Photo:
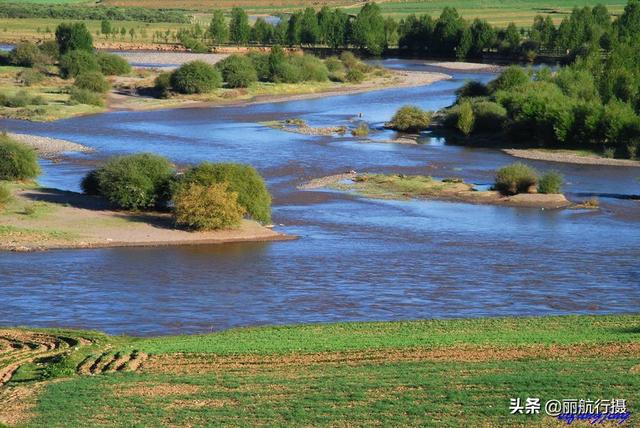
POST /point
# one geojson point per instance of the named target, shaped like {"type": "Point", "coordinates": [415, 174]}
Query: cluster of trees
{"type": "Point", "coordinates": [97, 13]}
{"type": "Point", "coordinates": [240, 71]}
{"type": "Point", "coordinates": [73, 51]}
{"type": "Point", "coordinates": [592, 104]}
{"type": "Point", "coordinates": [520, 178]}
{"type": "Point", "coordinates": [206, 197]}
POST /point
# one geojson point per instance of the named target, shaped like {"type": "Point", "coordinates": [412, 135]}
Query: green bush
{"type": "Point", "coordinates": [85, 96]}
{"type": "Point", "coordinates": [5, 196]}
{"type": "Point", "coordinates": [550, 182]}
{"type": "Point", "coordinates": [362, 130]}
{"type": "Point", "coordinates": [334, 64]}
{"type": "Point", "coordinates": [17, 161]}
{"type": "Point", "coordinates": [349, 59]}
{"type": "Point", "coordinates": [466, 118]}
{"type": "Point", "coordinates": [112, 64]}
{"type": "Point", "coordinates": [26, 54]}
{"type": "Point", "coordinates": [238, 71]}
{"type": "Point", "coordinates": [311, 68]}
{"type": "Point", "coordinates": [92, 81]}
{"type": "Point", "coordinates": [515, 178]}
{"type": "Point", "coordinates": [472, 88]}
{"type": "Point", "coordinates": [489, 116]}
{"type": "Point", "coordinates": [261, 65]}
{"type": "Point", "coordinates": [512, 77]}
{"type": "Point", "coordinates": [243, 179]}
{"type": "Point", "coordinates": [355, 76]}
{"type": "Point", "coordinates": [136, 182]}
{"type": "Point", "coordinates": [210, 207]}
{"type": "Point", "coordinates": [410, 119]}
{"type": "Point", "coordinates": [287, 72]}
{"type": "Point", "coordinates": [30, 77]}
{"type": "Point", "coordinates": [77, 62]}
{"type": "Point", "coordinates": [73, 36]}
{"type": "Point", "coordinates": [50, 50]}
{"type": "Point", "coordinates": [90, 184]}
{"type": "Point", "coordinates": [196, 77]}
{"type": "Point", "coordinates": [162, 84]}
{"type": "Point", "coordinates": [20, 99]}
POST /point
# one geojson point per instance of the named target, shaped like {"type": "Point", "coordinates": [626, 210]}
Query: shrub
{"type": "Point", "coordinates": [261, 65]}
{"type": "Point", "coordinates": [489, 116]}
{"type": "Point", "coordinates": [355, 76]}
{"type": "Point", "coordinates": [85, 96]}
{"type": "Point", "coordinates": [510, 78]}
{"type": "Point", "coordinates": [515, 178]}
{"type": "Point", "coordinates": [466, 118]}
{"type": "Point", "coordinates": [20, 99]}
{"type": "Point", "coordinates": [92, 81]}
{"type": "Point", "coordinates": [77, 62]}
{"type": "Point", "coordinates": [196, 77]}
{"type": "Point", "coordinates": [5, 196]}
{"type": "Point", "coordinates": [17, 161]}
{"type": "Point", "coordinates": [112, 64]}
{"type": "Point", "coordinates": [72, 37]}
{"type": "Point", "coordinates": [26, 55]}
{"type": "Point", "coordinates": [209, 207]}
{"type": "Point", "coordinates": [30, 77]}
{"type": "Point", "coordinates": [349, 59]}
{"type": "Point", "coordinates": [50, 50]}
{"type": "Point", "coordinates": [135, 182]}
{"type": "Point", "coordinates": [90, 184]}
{"type": "Point", "coordinates": [238, 71]}
{"type": "Point", "coordinates": [311, 68]}
{"type": "Point", "coordinates": [162, 84]}
{"type": "Point", "coordinates": [410, 119]}
{"type": "Point", "coordinates": [550, 182]}
{"type": "Point", "coordinates": [287, 73]}
{"type": "Point", "coordinates": [472, 88]}
{"type": "Point", "coordinates": [361, 131]}
{"type": "Point", "coordinates": [243, 179]}
{"type": "Point", "coordinates": [334, 65]}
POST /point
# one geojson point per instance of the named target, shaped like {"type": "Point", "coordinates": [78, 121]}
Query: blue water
{"type": "Point", "coordinates": [356, 259]}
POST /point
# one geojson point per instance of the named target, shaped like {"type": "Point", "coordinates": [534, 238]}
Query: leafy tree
{"type": "Point", "coordinates": [483, 37]}
{"type": "Point", "coordinates": [239, 28]}
{"type": "Point", "coordinates": [447, 32]}
{"type": "Point", "coordinates": [466, 118]}
{"type": "Point", "coordinates": [368, 31]}
{"type": "Point", "coordinates": [105, 27]}
{"type": "Point", "coordinates": [238, 71]}
{"type": "Point", "coordinates": [261, 32]}
{"type": "Point", "coordinates": [294, 29]}
{"type": "Point", "coordinates": [196, 77]}
{"type": "Point", "coordinates": [72, 37]}
{"type": "Point", "coordinates": [465, 43]}
{"type": "Point", "coordinates": [77, 62]}
{"type": "Point", "coordinates": [333, 29]}
{"type": "Point", "coordinates": [218, 31]}
{"type": "Point", "coordinates": [629, 22]}
{"type": "Point", "coordinates": [310, 31]}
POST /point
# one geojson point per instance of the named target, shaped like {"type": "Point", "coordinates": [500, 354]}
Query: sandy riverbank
{"type": "Point", "coordinates": [119, 100]}
{"type": "Point", "coordinates": [391, 186]}
{"type": "Point", "coordinates": [47, 147]}
{"type": "Point", "coordinates": [44, 219]}
{"type": "Point", "coordinates": [466, 66]}
{"type": "Point", "coordinates": [568, 156]}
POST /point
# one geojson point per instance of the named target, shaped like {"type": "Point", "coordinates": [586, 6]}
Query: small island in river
{"type": "Point", "coordinates": [400, 186]}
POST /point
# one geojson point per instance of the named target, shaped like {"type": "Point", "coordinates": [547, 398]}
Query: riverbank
{"type": "Point", "coordinates": [379, 186]}
{"type": "Point", "coordinates": [454, 373]}
{"type": "Point", "coordinates": [569, 156]}
{"type": "Point", "coordinates": [127, 97]}
{"type": "Point", "coordinates": [46, 219]}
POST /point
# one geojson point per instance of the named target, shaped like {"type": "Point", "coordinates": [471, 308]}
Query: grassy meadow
{"type": "Point", "coordinates": [417, 373]}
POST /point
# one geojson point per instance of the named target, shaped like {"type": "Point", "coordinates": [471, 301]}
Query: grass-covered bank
{"type": "Point", "coordinates": [426, 373]}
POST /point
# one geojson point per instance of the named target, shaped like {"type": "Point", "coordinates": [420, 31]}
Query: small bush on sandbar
{"type": "Point", "coordinates": [252, 192]}
{"type": "Point", "coordinates": [361, 131]}
{"type": "Point", "coordinates": [17, 161]}
{"type": "Point", "coordinates": [92, 81]}
{"type": "Point", "coordinates": [410, 119]}
{"type": "Point", "coordinates": [134, 182]}
{"type": "Point", "coordinates": [162, 84]}
{"type": "Point", "coordinates": [551, 182]}
{"type": "Point", "coordinates": [196, 77]}
{"type": "Point", "coordinates": [515, 178]}
{"type": "Point", "coordinates": [210, 207]}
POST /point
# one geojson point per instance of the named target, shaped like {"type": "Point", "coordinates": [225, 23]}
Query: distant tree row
{"type": "Point", "coordinates": [58, 11]}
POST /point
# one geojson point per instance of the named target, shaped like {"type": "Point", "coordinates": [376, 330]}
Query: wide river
{"type": "Point", "coordinates": [356, 259]}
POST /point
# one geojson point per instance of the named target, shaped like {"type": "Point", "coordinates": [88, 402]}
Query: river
{"type": "Point", "coordinates": [356, 259]}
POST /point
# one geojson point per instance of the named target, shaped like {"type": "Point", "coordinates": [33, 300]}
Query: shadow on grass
{"type": "Point", "coordinates": [162, 220]}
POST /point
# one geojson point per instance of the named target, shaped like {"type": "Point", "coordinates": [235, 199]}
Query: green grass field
{"type": "Point", "coordinates": [422, 373]}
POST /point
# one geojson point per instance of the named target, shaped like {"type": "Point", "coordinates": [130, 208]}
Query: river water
{"type": "Point", "coordinates": [356, 259]}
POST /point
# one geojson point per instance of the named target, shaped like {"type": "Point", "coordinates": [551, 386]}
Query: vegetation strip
{"type": "Point", "coordinates": [401, 373]}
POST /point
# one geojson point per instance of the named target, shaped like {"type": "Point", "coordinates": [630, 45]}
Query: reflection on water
{"type": "Point", "coordinates": [356, 259]}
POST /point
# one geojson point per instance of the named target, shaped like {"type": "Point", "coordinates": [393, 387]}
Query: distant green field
{"type": "Point", "coordinates": [49, 1]}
